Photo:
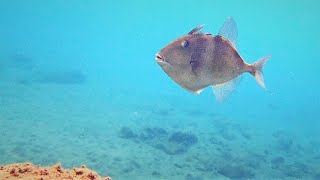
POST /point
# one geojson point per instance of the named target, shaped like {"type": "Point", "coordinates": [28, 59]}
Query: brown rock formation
{"type": "Point", "coordinates": [28, 171]}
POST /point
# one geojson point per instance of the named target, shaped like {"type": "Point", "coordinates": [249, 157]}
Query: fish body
{"type": "Point", "coordinates": [198, 60]}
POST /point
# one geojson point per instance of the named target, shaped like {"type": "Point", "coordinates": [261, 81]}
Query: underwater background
{"type": "Point", "coordinates": [79, 85]}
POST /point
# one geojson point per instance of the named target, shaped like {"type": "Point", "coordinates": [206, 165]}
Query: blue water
{"type": "Point", "coordinates": [79, 85]}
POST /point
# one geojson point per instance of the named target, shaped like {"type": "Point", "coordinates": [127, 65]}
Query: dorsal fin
{"type": "Point", "coordinates": [196, 29]}
{"type": "Point", "coordinates": [229, 30]}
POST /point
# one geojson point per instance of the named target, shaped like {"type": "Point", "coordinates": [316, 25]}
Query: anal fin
{"type": "Point", "coordinates": [224, 90]}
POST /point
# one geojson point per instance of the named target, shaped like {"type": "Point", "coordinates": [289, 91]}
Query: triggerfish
{"type": "Point", "coordinates": [198, 60]}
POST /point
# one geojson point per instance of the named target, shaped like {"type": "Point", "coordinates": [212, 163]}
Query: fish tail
{"type": "Point", "coordinates": [256, 70]}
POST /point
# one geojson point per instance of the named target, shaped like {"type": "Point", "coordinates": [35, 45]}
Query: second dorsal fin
{"type": "Point", "coordinates": [229, 30]}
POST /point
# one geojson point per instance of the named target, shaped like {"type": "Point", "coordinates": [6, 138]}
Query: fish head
{"type": "Point", "coordinates": [181, 60]}
{"type": "Point", "coordinates": [177, 55]}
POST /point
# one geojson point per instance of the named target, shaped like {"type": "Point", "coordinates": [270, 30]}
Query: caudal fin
{"type": "Point", "coordinates": [256, 70]}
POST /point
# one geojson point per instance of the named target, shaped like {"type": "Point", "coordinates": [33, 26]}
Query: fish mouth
{"type": "Point", "coordinates": [160, 59]}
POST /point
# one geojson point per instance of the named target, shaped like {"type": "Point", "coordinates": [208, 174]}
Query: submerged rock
{"type": "Point", "coordinates": [156, 173]}
{"type": "Point", "coordinates": [277, 161]}
{"type": "Point", "coordinates": [284, 141]}
{"type": "Point", "coordinates": [152, 133]}
{"type": "Point", "coordinates": [185, 139]}
{"type": "Point", "coordinates": [159, 138]}
{"type": "Point", "coordinates": [177, 143]}
{"type": "Point", "coordinates": [127, 133]}
{"type": "Point", "coordinates": [30, 171]}
{"type": "Point", "coordinates": [285, 144]}
{"type": "Point", "coordinates": [235, 172]}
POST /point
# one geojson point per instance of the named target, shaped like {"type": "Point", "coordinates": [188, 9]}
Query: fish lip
{"type": "Point", "coordinates": [160, 59]}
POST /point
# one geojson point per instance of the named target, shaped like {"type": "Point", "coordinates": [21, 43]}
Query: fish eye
{"type": "Point", "coordinates": [184, 43]}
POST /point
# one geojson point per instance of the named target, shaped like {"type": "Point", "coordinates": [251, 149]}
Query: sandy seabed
{"type": "Point", "coordinates": [28, 171]}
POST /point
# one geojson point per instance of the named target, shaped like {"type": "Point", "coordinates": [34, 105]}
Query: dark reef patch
{"type": "Point", "coordinates": [177, 143]}
{"type": "Point", "coordinates": [158, 138]}
{"type": "Point", "coordinates": [284, 141]}
{"type": "Point", "coordinates": [127, 133]}
{"type": "Point", "coordinates": [277, 162]}
{"type": "Point", "coordinates": [185, 139]}
{"type": "Point", "coordinates": [285, 144]}
{"type": "Point", "coordinates": [148, 134]}
{"type": "Point", "coordinates": [235, 172]}
{"type": "Point", "coordinates": [156, 173]}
